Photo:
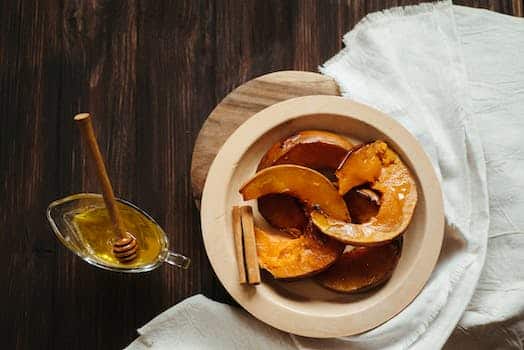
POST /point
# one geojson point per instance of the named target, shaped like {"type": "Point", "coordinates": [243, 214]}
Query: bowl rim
{"type": "Point", "coordinates": [214, 210]}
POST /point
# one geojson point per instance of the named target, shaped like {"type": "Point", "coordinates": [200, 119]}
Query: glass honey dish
{"type": "Point", "coordinates": [81, 222]}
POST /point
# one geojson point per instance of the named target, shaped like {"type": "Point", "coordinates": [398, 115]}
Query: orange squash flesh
{"type": "Point", "coordinates": [307, 185]}
{"type": "Point", "coordinates": [315, 149]}
{"type": "Point", "coordinates": [362, 268]}
{"type": "Point", "coordinates": [362, 165]}
{"type": "Point", "coordinates": [282, 211]}
{"type": "Point", "coordinates": [287, 257]}
{"type": "Point", "coordinates": [394, 182]}
{"type": "Point", "coordinates": [361, 207]}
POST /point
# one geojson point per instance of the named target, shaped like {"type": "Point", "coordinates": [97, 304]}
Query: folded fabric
{"type": "Point", "coordinates": [408, 63]}
{"type": "Point", "coordinates": [493, 49]}
{"type": "Point", "coordinates": [200, 323]}
{"type": "Point", "coordinates": [454, 77]}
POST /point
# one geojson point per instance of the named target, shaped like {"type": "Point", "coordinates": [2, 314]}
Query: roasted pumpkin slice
{"type": "Point", "coordinates": [363, 204]}
{"type": "Point", "coordinates": [282, 211]}
{"type": "Point", "coordinates": [319, 150]}
{"type": "Point", "coordinates": [314, 149]}
{"type": "Point", "coordinates": [397, 203]}
{"type": "Point", "coordinates": [362, 268]}
{"type": "Point", "coordinates": [309, 186]}
{"type": "Point", "coordinates": [362, 164]}
{"type": "Point", "coordinates": [287, 257]}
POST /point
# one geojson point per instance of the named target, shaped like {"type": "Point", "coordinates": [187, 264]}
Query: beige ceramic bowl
{"type": "Point", "coordinates": [303, 307]}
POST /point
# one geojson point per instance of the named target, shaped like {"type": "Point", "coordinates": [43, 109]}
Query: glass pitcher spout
{"type": "Point", "coordinates": [177, 260]}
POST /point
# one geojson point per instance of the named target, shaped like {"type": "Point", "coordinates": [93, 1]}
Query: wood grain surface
{"type": "Point", "coordinates": [518, 8]}
{"type": "Point", "coordinates": [149, 72]}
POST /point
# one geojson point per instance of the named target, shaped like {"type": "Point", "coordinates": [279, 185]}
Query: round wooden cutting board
{"type": "Point", "coordinates": [243, 102]}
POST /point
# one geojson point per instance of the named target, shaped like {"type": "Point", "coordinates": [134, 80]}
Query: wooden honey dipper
{"type": "Point", "coordinates": [125, 246]}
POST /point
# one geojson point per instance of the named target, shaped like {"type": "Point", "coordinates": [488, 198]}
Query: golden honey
{"type": "Point", "coordinates": [95, 231]}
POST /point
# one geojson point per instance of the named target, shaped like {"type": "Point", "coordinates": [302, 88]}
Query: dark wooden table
{"type": "Point", "coordinates": [150, 72]}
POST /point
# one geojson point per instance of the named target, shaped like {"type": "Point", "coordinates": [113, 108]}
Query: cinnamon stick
{"type": "Point", "coordinates": [239, 246]}
{"type": "Point", "coordinates": [250, 246]}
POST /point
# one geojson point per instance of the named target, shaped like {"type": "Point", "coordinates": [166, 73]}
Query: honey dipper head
{"type": "Point", "coordinates": [125, 249]}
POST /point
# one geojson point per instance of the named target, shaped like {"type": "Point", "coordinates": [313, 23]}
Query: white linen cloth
{"type": "Point", "coordinates": [454, 77]}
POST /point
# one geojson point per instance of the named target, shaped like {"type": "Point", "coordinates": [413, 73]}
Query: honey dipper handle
{"type": "Point", "coordinates": [86, 127]}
